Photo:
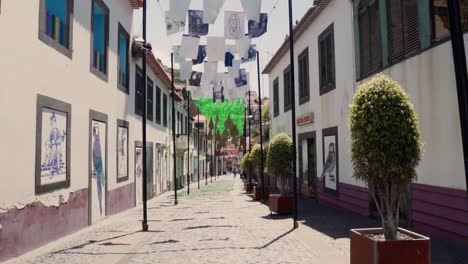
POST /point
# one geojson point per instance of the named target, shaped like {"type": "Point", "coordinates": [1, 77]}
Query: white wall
{"type": "Point", "coordinates": [429, 79]}
{"type": "Point", "coordinates": [29, 67]}
{"type": "Point", "coordinates": [330, 109]}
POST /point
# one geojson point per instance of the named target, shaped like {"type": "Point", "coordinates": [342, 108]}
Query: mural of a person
{"type": "Point", "coordinates": [123, 152]}
{"type": "Point", "coordinates": [54, 155]}
{"type": "Point", "coordinates": [330, 163]}
{"type": "Point", "coordinates": [98, 171]}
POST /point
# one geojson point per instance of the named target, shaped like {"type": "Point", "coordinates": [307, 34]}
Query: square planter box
{"type": "Point", "coordinates": [258, 192]}
{"type": "Point", "coordinates": [280, 205]}
{"type": "Point", "coordinates": [367, 251]}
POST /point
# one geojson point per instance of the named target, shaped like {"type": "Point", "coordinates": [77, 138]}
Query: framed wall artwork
{"type": "Point", "coordinates": [53, 132]}
{"type": "Point", "coordinates": [122, 150]}
{"type": "Point", "coordinates": [97, 183]}
{"type": "Point", "coordinates": [330, 172]}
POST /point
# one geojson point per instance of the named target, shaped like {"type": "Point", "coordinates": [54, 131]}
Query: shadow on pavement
{"type": "Point", "coordinates": [182, 219]}
{"type": "Point", "coordinates": [208, 226]}
{"type": "Point", "coordinates": [170, 241]}
{"type": "Point", "coordinates": [337, 223]}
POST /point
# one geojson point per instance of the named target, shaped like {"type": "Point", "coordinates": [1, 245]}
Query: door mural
{"type": "Point", "coordinates": [195, 169]}
{"type": "Point", "coordinates": [138, 174]}
{"type": "Point", "coordinates": [330, 172]}
{"type": "Point", "coordinates": [98, 166]}
{"type": "Point", "coordinates": [149, 170]}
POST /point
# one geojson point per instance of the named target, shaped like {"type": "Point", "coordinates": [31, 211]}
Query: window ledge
{"type": "Point", "coordinates": [122, 88]}
{"type": "Point", "coordinates": [55, 45]}
{"type": "Point", "coordinates": [327, 88]}
{"type": "Point", "coordinates": [303, 100]}
{"type": "Point", "coordinates": [99, 74]}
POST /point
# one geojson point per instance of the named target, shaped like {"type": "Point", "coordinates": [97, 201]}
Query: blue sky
{"type": "Point", "coordinates": [268, 44]}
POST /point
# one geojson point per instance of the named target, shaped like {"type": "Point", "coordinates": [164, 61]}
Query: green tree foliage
{"type": "Point", "coordinates": [386, 145]}
{"type": "Point", "coordinates": [266, 112]}
{"type": "Point", "coordinates": [280, 161]}
{"type": "Point", "coordinates": [245, 162]}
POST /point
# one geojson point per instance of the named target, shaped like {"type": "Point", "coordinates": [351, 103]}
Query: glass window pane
{"type": "Point", "coordinates": [57, 25]}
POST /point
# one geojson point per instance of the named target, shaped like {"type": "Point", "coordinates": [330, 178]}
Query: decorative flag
{"type": "Point", "coordinates": [196, 26]}
{"type": "Point", "coordinates": [210, 70]}
{"type": "Point", "coordinates": [256, 29]}
{"type": "Point", "coordinates": [201, 55]}
{"type": "Point", "coordinates": [252, 54]}
{"type": "Point", "coordinates": [216, 48]}
{"type": "Point", "coordinates": [185, 70]}
{"type": "Point", "coordinates": [242, 79]}
{"type": "Point", "coordinates": [252, 9]}
{"type": "Point", "coordinates": [243, 46]}
{"type": "Point", "coordinates": [177, 57]}
{"type": "Point", "coordinates": [218, 91]}
{"type": "Point", "coordinates": [189, 47]}
{"type": "Point", "coordinates": [179, 8]}
{"type": "Point", "coordinates": [195, 79]}
{"type": "Point", "coordinates": [234, 25]}
{"type": "Point", "coordinates": [174, 25]}
{"type": "Point", "coordinates": [234, 70]}
{"type": "Point", "coordinates": [228, 58]}
{"type": "Point", "coordinates": [211, 9]}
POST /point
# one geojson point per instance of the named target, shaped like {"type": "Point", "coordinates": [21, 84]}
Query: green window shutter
{"type": "Point", "coordinates": [424, 14]}
{"type": "Point", "coordinates": [383, 31]}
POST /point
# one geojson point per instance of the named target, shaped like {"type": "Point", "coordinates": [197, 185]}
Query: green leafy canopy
{"type": "Point", "coordinates": [385, 137]}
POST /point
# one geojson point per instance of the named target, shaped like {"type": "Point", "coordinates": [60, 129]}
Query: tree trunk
{"type": "Point", "coordinates": [390, 228]}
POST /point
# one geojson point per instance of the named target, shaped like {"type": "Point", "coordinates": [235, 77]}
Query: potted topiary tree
{"type": "Point", "coordinates": [279, 164]}
{"type": "Point", "coordinates": [255, 158]}
{"type": "Point", "coordinates": [386, 148]}
{"type": "Point", "coordinates": [245, 164]}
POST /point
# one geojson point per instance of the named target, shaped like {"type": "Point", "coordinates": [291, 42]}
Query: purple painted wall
{"type": "Point", "coordinates": [121, 199]}
{"type": "Point", "coordinates": [440, 211]}
{"type": "Point", "coordinates": [350, 197]}
{"type": "Point", "coordinates": [36, 224]}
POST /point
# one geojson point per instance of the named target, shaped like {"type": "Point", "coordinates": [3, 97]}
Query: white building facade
{"type": "Point", "coordinates": [70, 107]}
{"type": "Point", "coordinates": [341, 44]}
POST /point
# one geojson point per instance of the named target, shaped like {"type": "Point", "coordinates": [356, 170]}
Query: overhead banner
{"type": "Point", "coordinates": [174, 25]}
{"type": "Point", "coordinates": [189, 47]}
{"type": "Point", "coordinates": [201, 55]}
{"type": "Point", "coordinates": [210, 70]}
{"type": "Point", "coordinates": [215, 49]}
{"type": "Point", "coordinates": [185, 70]}
{"type": "Point", "coordinates": [256, 29]}
{"type": "Point", "coordinates": [252, 9]}
{"type": "Point", "coordinates": [211, 9]}
{"type": "Point", "coordinates": [243, 46]}
{"type": "Point", "coordinates": [234, 70]}
{"type": "Point", "coordinates": [176, 52]}
{"type": "Point", "coordinates": [242, 80]}
{"type": "Point", "coordinates": [196, 25]}
{"type": "Point", "coordinates": [252, 54]}
{"type": "Point", "coordinates": [234, 25]}
{"type": "Point", "coordinates": [195, 79]}
{"type": "Point", "coordinates": [179, 8]}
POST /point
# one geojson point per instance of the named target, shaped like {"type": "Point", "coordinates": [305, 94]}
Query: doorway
{"type": "Point", "coordinates": [308, 165]}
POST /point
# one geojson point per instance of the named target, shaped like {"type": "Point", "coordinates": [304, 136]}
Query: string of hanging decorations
{"type": "Point", "coordinates": [223, 84]}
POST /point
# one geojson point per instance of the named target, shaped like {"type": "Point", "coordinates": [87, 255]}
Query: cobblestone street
{"type": "Point", "coordinates": [216, 224]}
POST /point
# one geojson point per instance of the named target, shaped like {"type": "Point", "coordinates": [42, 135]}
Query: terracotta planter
{"type": "Point", "coordinates": [280, 205]}
{"type": "Point", "coordinates": [258, 192]}
{"type": "Point", "coordinates": [367, 251]}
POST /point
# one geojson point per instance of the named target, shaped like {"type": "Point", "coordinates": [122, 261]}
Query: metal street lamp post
{"type": "Point", "coordinates": [293, 110]}
{"type": "Point", "coordinates": [143, 123]}
{"type": "Point", "coordinates": [188, 143]}
{"type": "Point", "coordinates": [459, 59]}
{"type": "Point", "coordinates": [173, 130]}
{"type": "Point", "coordinates": [262, 176]}
{"type": "Point", "coordinates": [198, 146]}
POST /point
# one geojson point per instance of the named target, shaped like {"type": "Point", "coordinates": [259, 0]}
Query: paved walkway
{"type": "Point", "coordinates": [216, 224]}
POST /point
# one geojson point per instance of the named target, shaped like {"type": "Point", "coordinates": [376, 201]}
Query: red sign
{"type": "Point", "coordinates": [305, 119]}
